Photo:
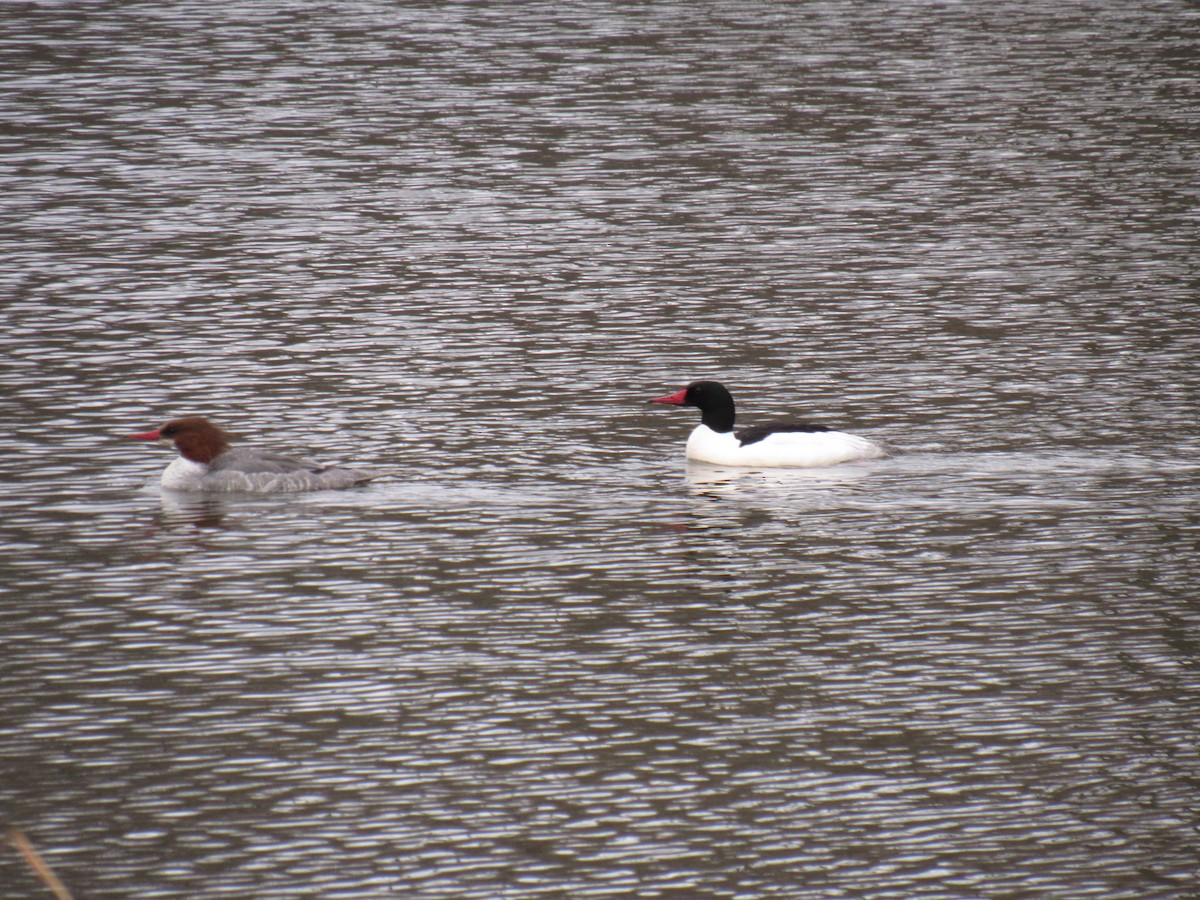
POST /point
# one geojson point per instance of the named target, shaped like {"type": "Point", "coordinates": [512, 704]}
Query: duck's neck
{"type": "Point", "coordinates": [718, 416]}
{"type": "Point", "coordinates": [202, 446]}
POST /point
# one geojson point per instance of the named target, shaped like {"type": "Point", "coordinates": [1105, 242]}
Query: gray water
{"type": "Point", "coordinates": [547, 658]}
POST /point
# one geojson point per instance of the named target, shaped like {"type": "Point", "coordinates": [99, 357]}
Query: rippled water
{"type": "Point", "coordinates": [548, 658]}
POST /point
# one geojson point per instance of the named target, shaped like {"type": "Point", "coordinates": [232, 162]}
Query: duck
{"type": "Point", "coordinates": [771, 444]}
{"type": "Point", "coordinates": [206, 462]}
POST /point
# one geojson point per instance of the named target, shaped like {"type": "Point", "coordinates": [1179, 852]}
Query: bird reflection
{"type": "Point", "coordinates": [190, 509]}
{"type": "Point", "coordinates": [719, 481]}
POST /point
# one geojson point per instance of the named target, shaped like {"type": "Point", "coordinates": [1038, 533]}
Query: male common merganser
{"type": "Point", "coordinates": [791, 443]}
{"type": "Point", "coordinates": [206, 463]}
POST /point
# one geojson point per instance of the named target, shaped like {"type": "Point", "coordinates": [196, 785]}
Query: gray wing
{"type": "Point", "coordinates": [255, 462]}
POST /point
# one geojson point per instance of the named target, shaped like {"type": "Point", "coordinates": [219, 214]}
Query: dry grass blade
{"type": "Point", "coordinates": [37, 864]}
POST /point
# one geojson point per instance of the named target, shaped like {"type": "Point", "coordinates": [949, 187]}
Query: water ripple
{"type": "Point", "coordinates": [548, 657]}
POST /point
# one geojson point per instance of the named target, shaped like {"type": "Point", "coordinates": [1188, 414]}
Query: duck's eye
{"type": "Point", "coordinates": [169, 431]}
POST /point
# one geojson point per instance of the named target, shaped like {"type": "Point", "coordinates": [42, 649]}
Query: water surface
{"type": "Point", "coordinates": [549, 658]}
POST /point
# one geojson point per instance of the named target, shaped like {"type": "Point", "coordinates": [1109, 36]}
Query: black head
{"type": "Point", "coordinates": [711, 398]}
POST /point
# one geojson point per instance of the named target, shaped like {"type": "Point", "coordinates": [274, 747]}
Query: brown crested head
{"type": "Point", "coordinates": [194, 437]}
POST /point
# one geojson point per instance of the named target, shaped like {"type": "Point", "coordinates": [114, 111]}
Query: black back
{"type": "Point", "coordinates": [756, 433]}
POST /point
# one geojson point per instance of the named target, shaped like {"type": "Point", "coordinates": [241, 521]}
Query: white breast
{"type": "Point", "coordinates": [184, 475]}
{"type": "Point", "coordinates": [800, 449]}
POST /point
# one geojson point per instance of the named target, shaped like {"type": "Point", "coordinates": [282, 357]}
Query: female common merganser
{"type": "Point", "coordinates": [206, 463]}
{"type": "Point", "coordinates": [770, 444]}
